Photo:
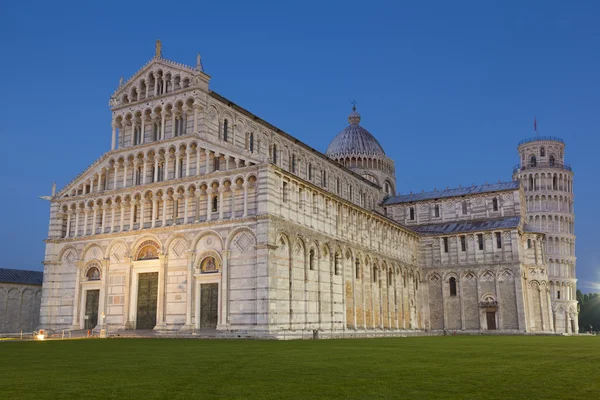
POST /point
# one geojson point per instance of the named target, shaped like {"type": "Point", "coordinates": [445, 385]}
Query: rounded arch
{"type": "Point", "coordinates": [64, 251]}
{"type": "Point", "coordinates": [234, 232]}
{"type": "Point", "coordinates": [140, 240]}
{"type": "Point", "coordinates": [200, 235]}
{"type": "Point", "coordinates": [114, 243]}
{"type": "Point", "coordinates": [88, 251]}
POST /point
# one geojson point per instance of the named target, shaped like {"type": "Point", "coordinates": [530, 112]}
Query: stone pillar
{"type": "Point", "coordinates": [113, 210]}
{"type": "Point", "coordinates": [198, 160]}
{"type": "Point", "coordinates": [132, 205]}
{"type": "Point", "coordinates": [76, 222]}
{"type": "Point", "coordinates": [79, 265]}
{"type": "Point", "coordinates": [165, 198]}
{"type": "Point", "coordinates": [188, 294]}
{"type": "Point", "coordinates": [85, 219]}
{"type": "Point", "coordinates": [549, 302]}
{"type": "Point", "coordinates": [196, 110]}
{"type": "Point", "coordinates": [187, 162]}
{"type": "Point", "coordinates": [155, 167]}
{"type": "Point", "coordinates": [125, 173]}
{"type": "Point", "coordinates": [154, 211]}
{"type": "Point", "coordinates": [224, 314]}
{"type": "Point", "coordinates": [198, 305]}
{"type": "Point", "coordinates": [207, 170]}
{"type": "Point", "coordinates": [122, 219]}
{"type": "Point", "coordinates": [208, 205]}
{"type": "Point", "coordinates": [176, 165]}
{"type": "Point", "coordinates": [144, 171]}
{"type": "Point", "coordinates": [161, 301]}
{"type": "Point", "coordinates": [232, 190]}
{"type": "Point", "coordinates": [113, 143]}
{"type": "Point", "coordinates": [102, 308]}
{"type": "Point", "coordinates": [116, 173]}
{"type": "Point", "coordinates": [103, 227]}
{"type": "Point", "coordinates": [99, 174]}
{"type": "Point", "coordinates": [245, 199]}
{"type": "Point", "coordinates": [220, 205]}
{"type": "Point", "coordinates": [186, 199]}
{"type": "Point", "coordinates": [197, 208]}
{"type": "Point", "coordinates": [142, 212]}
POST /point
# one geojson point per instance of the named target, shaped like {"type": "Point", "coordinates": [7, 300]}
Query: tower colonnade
{"type": "Point", "coordinates": [548, 187]}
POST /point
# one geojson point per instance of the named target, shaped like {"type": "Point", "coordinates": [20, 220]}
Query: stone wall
{"type": "Point", "coordinates": [19, 307]}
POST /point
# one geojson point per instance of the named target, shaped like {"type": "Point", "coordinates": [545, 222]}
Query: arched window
{"type": "Point", "coordinates": [357, 268]}
{"type": "Point", "coordinates": [374, 274]}
{"type": "Point", "coordinates": [284, 189]}
{"type": "Point", "coordinates": [453, 286]}
{"type": "Point", "coordinates": [532, 161]}
{"type": "Point", "coordinates": [336, 261]}
{"type": "Point", "coordinates": [309, 171]}
{"type": "Point", "coordinates": [293, 164]}
{"type": "Point", "coordinates": [495, 204]}
{"type": "Point", "coordinates": [251, 144]}
{"type": "Point", "coordinates": [311, 259]}
{"type": "Point", "coordinates": [216, 163]}
{"type": "Point", "coordinates": [274, 154]}
{"type": "Point", "coordinates": [552, 160]}
{"type": "Point", "coordinates": [93, 274]}
{"type": "Point", "coordinates": [215, 204]}
{"type": "Point", "coordinates": [436, 211]}
{"type": "Point", "coordinates": [324, 178]}
{"type": "Point", "coordinates": [412, 214]}
{"type": "Point", "coordinates": [528, 243]}
{"type": "Point", "coordinates": [155, 131]}
{"type": "Point", "coordinates": [542, 152]}
{"type": "Point", "coordinates": [225, 129]}
{"type": "Point", "coordinates": [554, 185]}
{"type": "Point", "coordinates": [390, 278]}
{"type": "Point", "coordinates": [464, 207]}
{"type": "Point", "coordinates": [530, 182]}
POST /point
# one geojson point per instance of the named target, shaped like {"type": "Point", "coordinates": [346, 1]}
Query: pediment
{"type": "Point", "coordinates": [157, 77]}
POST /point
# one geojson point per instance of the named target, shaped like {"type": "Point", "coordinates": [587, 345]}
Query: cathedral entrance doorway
{"type": "Point", "coordinates": [92, 298]}
{"type": "Point", "coordinates": [147, 300]}
{"type": "Point", "coordinates": [209, 305]}
{"type": "Point", "coordinates": [491, 320]}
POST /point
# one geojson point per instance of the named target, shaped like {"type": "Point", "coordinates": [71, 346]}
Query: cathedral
{"type": "Point", "coordinates": [205, 217]}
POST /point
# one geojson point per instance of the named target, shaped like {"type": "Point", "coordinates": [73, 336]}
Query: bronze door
{"type": "Point", "coordinates": [147, 300]}
{"type": "Point", "coordinates": [491, 320]}
{"type": "Point", "coordinates": [209, 309]}
{"type": "Point", "coordinates": [92, 298]}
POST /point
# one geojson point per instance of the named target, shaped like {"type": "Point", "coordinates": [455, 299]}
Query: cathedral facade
{"type": "Point", "coordinates": [203, 216]}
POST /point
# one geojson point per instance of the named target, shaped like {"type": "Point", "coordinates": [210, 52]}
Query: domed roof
{"type": "Point", "coordinates": [354, 140]}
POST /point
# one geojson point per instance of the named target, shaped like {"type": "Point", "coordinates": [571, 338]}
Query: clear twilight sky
{"type": "Point", "coordinates": [448, 88]}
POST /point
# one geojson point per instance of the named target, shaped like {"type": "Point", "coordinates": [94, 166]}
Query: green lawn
{"type": "Point", "coordinates": [478, 367]}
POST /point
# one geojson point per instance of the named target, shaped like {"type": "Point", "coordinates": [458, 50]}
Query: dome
{"type": "Point", "coordinates": [354, 140]}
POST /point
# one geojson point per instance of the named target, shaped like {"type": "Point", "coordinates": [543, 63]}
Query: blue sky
{"type": "Point", "coordinates": [448, 88]}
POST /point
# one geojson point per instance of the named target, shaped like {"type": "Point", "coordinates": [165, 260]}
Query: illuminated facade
{"type": "Point", "coordinates": [203, 216]}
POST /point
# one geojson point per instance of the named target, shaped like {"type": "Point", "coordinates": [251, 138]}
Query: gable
{"type": "Point", "coordinates": [158, 77]}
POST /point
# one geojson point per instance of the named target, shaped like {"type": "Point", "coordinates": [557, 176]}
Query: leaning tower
{"type": "Point", "coordinates": [548, 184]}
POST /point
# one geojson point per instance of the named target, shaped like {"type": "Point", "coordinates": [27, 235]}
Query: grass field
{"type": "Point", "coordinates": [479, 367]}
